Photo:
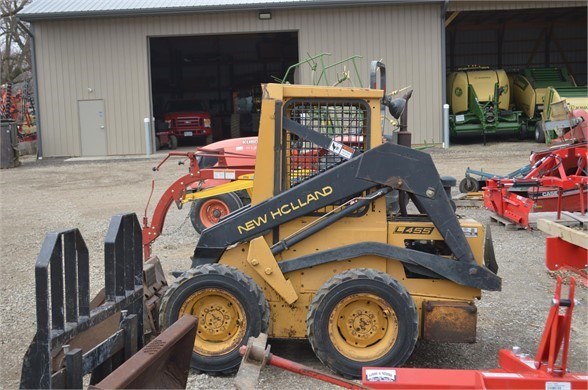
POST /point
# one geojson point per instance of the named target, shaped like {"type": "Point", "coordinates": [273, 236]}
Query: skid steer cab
{"type": "Point", "coordinates": [323, 253]}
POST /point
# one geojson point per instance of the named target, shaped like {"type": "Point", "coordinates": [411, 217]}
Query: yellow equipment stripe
{"type": "Point", "coordinates": [244, 182]}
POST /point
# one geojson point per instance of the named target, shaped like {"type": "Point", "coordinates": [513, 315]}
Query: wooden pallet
{"type": "Point", "coordinates": [567, 218]}
{"type": "Point", "coordinates": [508, 225]}
{"type": "Point", "coordinates": [471, 199]}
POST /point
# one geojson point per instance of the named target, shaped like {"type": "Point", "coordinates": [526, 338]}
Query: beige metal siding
{"type": "Point", "coordinates": [110, 57]}
{"type": "Point", "coordinates": [483, 5]}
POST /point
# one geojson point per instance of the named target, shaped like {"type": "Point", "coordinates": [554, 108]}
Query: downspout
{"type": "Point", "coordinates": [36, 88]}
{"type": "Point", "coordinates": [444, 7]}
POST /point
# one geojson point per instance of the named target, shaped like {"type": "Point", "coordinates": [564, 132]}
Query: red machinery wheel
{"type": "Point", "coordinates": [206, 212]}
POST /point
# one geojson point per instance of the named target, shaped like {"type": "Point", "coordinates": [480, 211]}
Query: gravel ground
{"type": "Point", "coordinates": [52, 194]}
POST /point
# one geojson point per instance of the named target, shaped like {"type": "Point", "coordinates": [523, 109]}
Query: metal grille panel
{"type": "Point", "coordinates": [344, 121]}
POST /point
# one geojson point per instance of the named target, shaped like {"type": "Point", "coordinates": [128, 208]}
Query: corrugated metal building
{"type": "Point", "coordinates": [123, 60]}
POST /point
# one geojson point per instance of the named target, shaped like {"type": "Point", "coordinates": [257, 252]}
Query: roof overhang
{"type": "Point", "coordinates": [43, 10]}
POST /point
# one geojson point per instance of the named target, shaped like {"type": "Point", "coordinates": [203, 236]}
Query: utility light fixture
{"type": "Point", "coordinates": [264, 15]}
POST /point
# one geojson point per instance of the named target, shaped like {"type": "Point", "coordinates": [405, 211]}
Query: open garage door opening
{"type": "Point", "coordinates": [500, 64]}
{"type": "Point", "coordinates": [207, 88]}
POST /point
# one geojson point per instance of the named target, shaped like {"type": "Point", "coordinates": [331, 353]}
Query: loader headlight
{"type": "Point", "coordinates": [396, 106]}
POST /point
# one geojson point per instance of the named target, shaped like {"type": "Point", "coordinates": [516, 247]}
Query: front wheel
{"type": "Point", "coordinates": [208, 139]}
{"type": "Point", "coordinates": [468, 184]}
{"type": "Point", "coordinates": [208, 211]}
{"type": "Point", "coordinates": [230, 308]}
{"type": "Point", "coordinates": [362, 317]}
{"type": "Point", "coordinates": [173, 142]}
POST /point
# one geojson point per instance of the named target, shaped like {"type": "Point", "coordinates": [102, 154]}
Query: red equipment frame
{"type": "Point", "coordinates": [182, 186]}
{"type": "Point", "coordinates": [556, 182]}
{"type": "Point", "coordinates": [517, 370]}
{"type": "Point", "coordinates": [16, 107]}
{"type": "Point", "coordinates": [547, 370]}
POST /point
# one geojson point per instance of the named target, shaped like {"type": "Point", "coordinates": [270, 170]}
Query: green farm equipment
{"type": "Point", "coordinates": [539, 93]}
{"type": "Point", "coordinates": [562, 112]}
{"type": "Point", "coordinates": [479, 99]}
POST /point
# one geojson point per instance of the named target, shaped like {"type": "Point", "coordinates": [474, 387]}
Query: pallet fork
{"type": "Point", "coordinates": [76, 337]}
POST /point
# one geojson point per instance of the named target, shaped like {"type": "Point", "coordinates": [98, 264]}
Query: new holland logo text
{"type": "Point", "coordinates": [414, 229]}
{"type": "Point", "coordinates": [285, 209]}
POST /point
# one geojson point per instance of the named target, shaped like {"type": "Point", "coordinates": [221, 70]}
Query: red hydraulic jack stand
{"type": "Point", "coordinates": [517, 370]}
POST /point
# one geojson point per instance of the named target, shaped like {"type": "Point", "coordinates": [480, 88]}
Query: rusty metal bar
{"type": "Point", "coordinates": [301, 369]}
{"type": "Point", "coordinates": [164, 363]}
{"type": "Point", "coordinates": [256, 356]}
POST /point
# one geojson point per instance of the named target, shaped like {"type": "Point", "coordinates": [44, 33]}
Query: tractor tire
{"type": "Point", "coordinates": [230, 308]}
{"type": "Point", "coordinates": [207, 212]}
{"type": "Point", "coordinates": [173, 142]}
{"type": "Point", "coordinates": [362, 317]}
{"type": "Point", "coordinates": [208, 140]}
{"type": "Point", "coordinates": [523, 130]}
{"type": "Point", "coordinates": [539, 133]}
{"type": "Point", "coordinates": [468, 184]}
{"type": "Point", "coordinates": [157, 143]}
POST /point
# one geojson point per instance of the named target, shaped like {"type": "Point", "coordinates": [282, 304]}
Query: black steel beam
{"type": "Point", "coordinates": [459, 272]}
{"type": "Point", "coordinates": [389, 165]}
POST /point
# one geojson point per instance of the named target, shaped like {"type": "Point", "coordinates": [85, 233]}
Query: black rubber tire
{"type": "Point", "coordinates": [353, 282]}
{"type": "Point", "coordinates": [523, 130]}
{"type": "Point", "coordinates": [229, 280]}
{"type": "Point", "coordinates": [157, 143]}
{"type": "Point", "coordinates": [209, 139]}
{"type": "Point", "coordinates": [173, 142]}
{"type": "Point", "coordinates": [231, 200]}
{"type": "Point", "coordinates": [539, 133]}
{"type": "Point", "coordinates": [468, 184]}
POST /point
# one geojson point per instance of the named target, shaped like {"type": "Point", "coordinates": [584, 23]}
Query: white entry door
{"type": "Point", "coordinates": [92, 127]}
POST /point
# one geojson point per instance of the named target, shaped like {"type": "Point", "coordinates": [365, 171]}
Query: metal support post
{"type": "Point", "coordinates": [446, 126]}
{"type": "Point", "coordinates": [148, 143]}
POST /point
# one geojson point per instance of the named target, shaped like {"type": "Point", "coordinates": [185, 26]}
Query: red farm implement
{"type": "Point", "coordinates": [216, 172]}
{"type": "Point", "coordinates": [557, 181]}
{"type": "Point", "coordinates": [547, 370]}
{"type": "Point", "coordinates": [220, 181]}
{"type": "Point", "coordinates": [19, 107]}
{"type": "Point", "coordinates": [517, 370]}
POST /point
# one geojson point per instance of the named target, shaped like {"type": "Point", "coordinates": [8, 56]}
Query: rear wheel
{"type": "Point", "coordinates": [230, 308]}
{"type": "Point", "coordinates": [207, 212]}
{"type": "Point", "coordinates": [539, 133]}
{"type": "Point", "coordinates": [362, 317]}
